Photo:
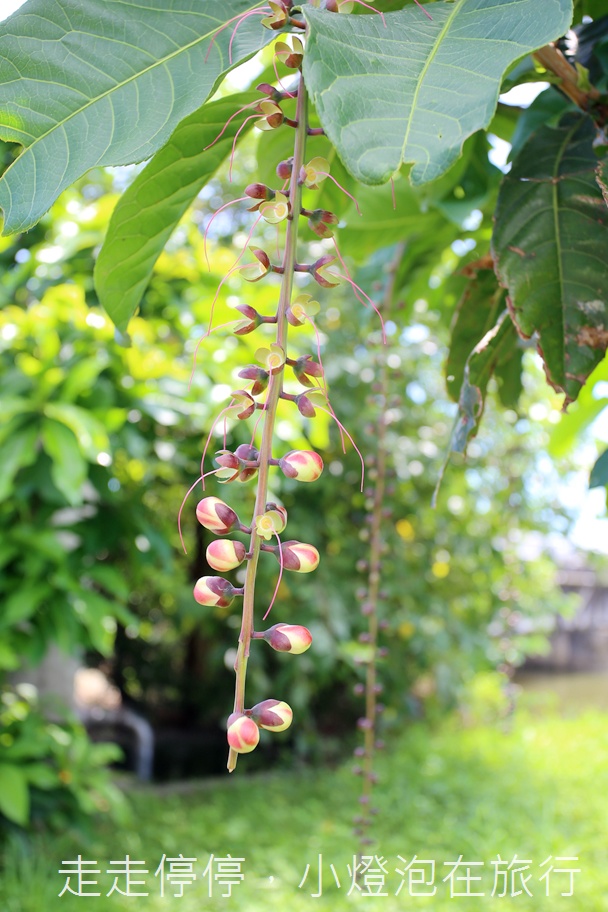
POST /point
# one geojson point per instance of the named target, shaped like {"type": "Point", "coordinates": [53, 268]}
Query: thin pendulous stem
{"type": "Point", "coordinates": [275, 388]}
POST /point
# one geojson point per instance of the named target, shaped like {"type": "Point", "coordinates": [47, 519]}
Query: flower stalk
{"type": "Point", "coordinates": [275, 388]}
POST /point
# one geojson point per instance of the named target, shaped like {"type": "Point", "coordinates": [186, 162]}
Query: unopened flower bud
{"type": "Point", "coordinates": [288, 638]}
{"type": "Point", "coordinates": [364, 723]}
{"type": "Point", "coordinates": [359, 690]}
{"type": "Point", "coordinates": [285, 168]}
{"type": "Point", "coordinates": [303, 465]}
{"type": "Point", "coordinates": [258, 375]}
{"type": "Point", "coordinates": [298, 556]}
{"type": "Point", "coordinates": [359, 751]}
{"type": "Point", "coordinates": [243, 733]}
{"type": "Point", "coordinates": [216, 516]}
{"type": "Point", "coordinates": [259, 192]}
{"type": "Point", "coordinates": [214, 590]}
{"type": "Point", "coordinates": [225, 555]}
{"type": "Point", "coordinates": [273, 715]}
{"type": "Point", "coordinates": [319, 222]}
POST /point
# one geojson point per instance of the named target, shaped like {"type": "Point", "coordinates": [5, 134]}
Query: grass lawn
{"type": "Point", "coordinates": [538, 790]}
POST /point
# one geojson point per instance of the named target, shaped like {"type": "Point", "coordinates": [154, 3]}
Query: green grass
{"type": "Point", "coordinates": [540, 789]}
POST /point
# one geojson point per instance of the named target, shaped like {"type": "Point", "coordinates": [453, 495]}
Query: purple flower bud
{"type": "Point", "coordinates": [214, 591]}
{"type": "Point", "coordinates": [303, 465]}
{"type": "Point", "coordinates": [215, 515]}
{"type": "Point", "coordinates": [259, 192]}
{"type": "Point", "coordinates": [364, 723]}
{"type": "Point", "coordinates": [288, 638]}
{"type": "Point", "coordinates": [252, 320]}
{"type": "Point", "coordinates": [285, 168]}
{"type": "Point", "coordinates": [273, 715]}
{"type": "Point", "coordinates": [359, 752]}
{"type": "Point", "coordinates": [258, 375]}
{"type": "Point", "coordinates": [359, 689]}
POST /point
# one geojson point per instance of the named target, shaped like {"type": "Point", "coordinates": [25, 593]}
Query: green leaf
{"type": "Point", "coordinates": [14, 794]}
{"type": "Point", "coordinates": [69, 468]}
{"type": "Point", "coordinates": [550, 242]}
{"type": "Point", "coordinates": [22, 604]}
{"type": "Point", "coordinates": [379, 219]}
{"type": "Point", "coordinates": [90, 433]}
{"type": "Point", "coordinates": [18, 451]}
{"type": "Point", "coordinates": [476, 313]}
{"type": "Point", "coordinates": [85, 83]}
{"type": "Point", "coordinates": [414, 91]}
{"type": "Point", "coordinates": [599, 472]}
{"type": "Point", "coordinates": [150, 209]}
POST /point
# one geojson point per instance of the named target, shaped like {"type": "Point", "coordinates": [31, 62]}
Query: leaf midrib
{"type": "Point", "coordinates": [420, 80]}
{"type": "Point", "coordinates": [162, 62]}
{"type": "Point", "coordinates": [558, 240]}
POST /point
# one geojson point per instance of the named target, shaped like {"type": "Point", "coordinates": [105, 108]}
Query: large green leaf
{"type": "Point", "coordinates": [414, 91]}
{"type": "Point", "coordinates": [14, 794]}
{"type": "Point", "coordinates": [150, 209]}
{"type": "Point", "coordinates": [551, 244]}
{"type": "Point", "coordinates": [69, 468]}
{"type": "Point", "coordinates": [17, 451]}
{"type": "Point", "coordinates": [105, 82]}
{"type": "Point", "coordinates": [599, 472]}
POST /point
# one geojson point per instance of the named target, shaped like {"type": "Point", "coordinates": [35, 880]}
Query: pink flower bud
{"type": "Point", "coordinates": [288, 638]}
{"type": "Point", "coordinates": [303, 465]}
{"type": "Point", "coordinates": [215, 515]}
{"type": "Point", "coordinates": [258, 375]}
{"type": "Point", "coordinates": [299, 557]}
{"type": "Point", "coordinates": [243, 734]}
{"type": "Point", "coordinates": [273, 715]}
{"type": "Point", "coordinates": [305, 406]}
{"type": "Point", "coordinates": [225, 555]}
{"type": "Point", "coordinates": [259, 192]}
{"type": "Point", "coordinates": [215, 591]}
{"type": "Point", "coordinates": [285, 168]}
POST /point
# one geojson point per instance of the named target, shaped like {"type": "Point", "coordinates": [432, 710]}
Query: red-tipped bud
{"type": "Point", "coordinates": [288, 638]}
{"type": "Point", "coordinates": [234, 466]}
{"type": "Point", "coordinates": [259, 192]}
{"type": "Point", "coordinates": [247, 452]}
{"type": "Point", "coordinates": [273, 715]}
{"type": "Point", "coordinates": [299, 556]}
{"type": "Point", "coordinates": [214, 591]}
{"type": "Point", "coordinates": [217, 516]}
{"type": "Point", "coordinates": [252, 320]}
{"type": "Point", "coordinates": [243, 734]}
{"type": "Point", "coordinates": [258, 375]}
{"type": "Point", "coordinates": [225, 555]}
{"type": "Point", "coordinates": [304, 367]}
{"type": "Point", "coordinates": [319, 222]}
{"type": "Point", "coordinates": [303, 465]}
{"type": "Point", "coordinates": [305, 406]}
{"type": "Point", "coordinates": [284, 169]}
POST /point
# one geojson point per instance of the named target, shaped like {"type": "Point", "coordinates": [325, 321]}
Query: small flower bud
{"type": "Point", "coordinates": [319, 222]}
{"type": "Point", "coordinates": [303, 465]}
{"type": "Point", "coordinates": [216, 516]}
{"type": "Point", "coordinates": [225, 555]}
{"type": "Point", "coordinates": [359, 690]}
{"type": "Point", "coordinates": [273, 715]}
{"type": "Point", "coordinates": [259, 192]}
{"type": "Point", "coordinates": [304, 367]}
{"type": "Point", "coordinates": [243, 734]}
{"type": "Point", "coordinates": [359, 751]}
{"type": "Point", "coordinates": [285, 168]}
{"type": "Point", "coordinates": [364, 723]}
{"type": "Point", "coordinates": [298, 556]}
{"type": "Point", "coordinates": [258, 375]}
{"type": "Point", "coordinates": [247, 452]}
{"type": "Point", "coordinates": [214, 590]}
{"type": "Point", "coordinates": [288, 638]}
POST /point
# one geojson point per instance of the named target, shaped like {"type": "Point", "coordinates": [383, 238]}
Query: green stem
{"type": "Point", "coordinates": [275, 388]}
